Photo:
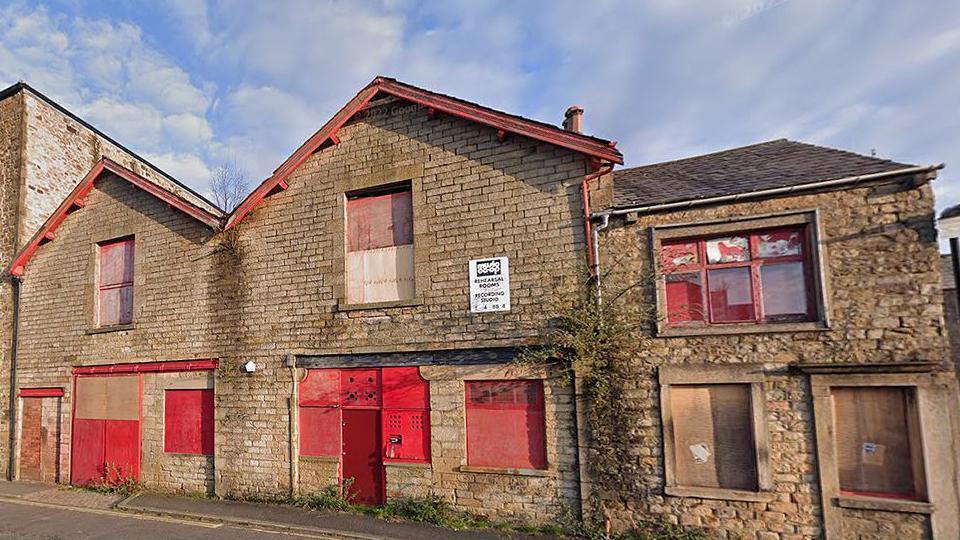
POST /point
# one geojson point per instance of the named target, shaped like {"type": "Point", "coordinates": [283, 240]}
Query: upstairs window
{"type": "Point", "coordinates": [380, 246]}
{"type": "Point", "coordinates": [115, 282]}
{"type": "Point", "coordinates": [751, 277]}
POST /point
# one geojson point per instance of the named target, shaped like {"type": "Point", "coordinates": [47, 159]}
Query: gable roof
{"type": "Point", "coordinates": [77, 199]}
{"type": "Point", "coordinates": [594, 147]}
{"type": "Point", "coordinates": [185, 191]}
{"type": "Point", "coordinates": [768, 165]}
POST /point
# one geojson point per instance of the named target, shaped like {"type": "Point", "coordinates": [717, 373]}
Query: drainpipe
{"type": "Point", "coordinates": [585, 194]}
{"type": "Point", "coordinates": [292, 427]}
{"type": "Point", "coordinates": [604, 223]}
{"type": "Point", "coordinates": [12, 412]}
{"type": "Point", "coordinates": [579, 420]}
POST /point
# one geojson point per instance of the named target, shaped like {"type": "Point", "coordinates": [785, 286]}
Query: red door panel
{"type": "Point", "coordinates": [86, 464]}
{"type": "Point", "coordinates": [122, 449]}
{"type": "Point", "coordinates": [30, 439]}
{"type": "Point", "coordinates": [361, 455]}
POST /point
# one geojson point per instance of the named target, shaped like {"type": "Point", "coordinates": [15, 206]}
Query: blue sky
{"type": "Point", "coordinates": [193, 83]}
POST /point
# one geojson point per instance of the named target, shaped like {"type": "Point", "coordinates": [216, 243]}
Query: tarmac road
{"type": "Point", "coordinates": [39, 521]}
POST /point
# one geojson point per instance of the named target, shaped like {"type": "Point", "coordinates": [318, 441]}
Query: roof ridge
{"type": "Point", "coordinates": [698, 156]}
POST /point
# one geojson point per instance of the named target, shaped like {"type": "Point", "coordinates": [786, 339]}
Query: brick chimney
{"type": "Point", "coordinates": [573, 119]}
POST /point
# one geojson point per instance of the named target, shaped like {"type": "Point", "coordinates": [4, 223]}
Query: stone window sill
{"type": "Point", "coordinates": [343, 306]}
{"type": "Point", "coordinates": [720, 494]}
{"type": "Point", "coordinates": [321, 459]}
{"type": "Point", "coordinates": [113, 328]}
{"type": "Point", "coordinates": [187, 455]}
{"type": "Point", "coordinates": [729, 329]}
{"type": "Point", "coordinates": [510, 472]}
{"type": "Point", "coordinates": [407, 464]}
{"type": "Point", "coordinates": [861, 502]}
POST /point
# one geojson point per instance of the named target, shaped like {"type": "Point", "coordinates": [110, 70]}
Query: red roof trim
{"type": "Point", "coordinates": [148, 367]}
{"type": "Point", "coordinates": [41, 392]}
{"type": "Point", "coordinates": [77, 200]}
{"type": "Point", "coordinates": [435, 103]}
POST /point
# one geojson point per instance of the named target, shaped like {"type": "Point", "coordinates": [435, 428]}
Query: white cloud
{"type": "Point", "coordinates": [187, 168]}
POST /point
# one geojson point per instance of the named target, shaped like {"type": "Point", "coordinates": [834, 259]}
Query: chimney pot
{"type": "Point", "coordinates": [573, 119]}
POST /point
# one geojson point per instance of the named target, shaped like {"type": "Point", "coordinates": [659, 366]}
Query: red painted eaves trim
{"type": "Point", "coordinates": [41, 392]}
{"type": "Point", "coordinates": [77, 200]}
{"type": "Point", "coordinates": [148, 367]}
{"type": "Point", "coordinates": [435, 103]}
{"type": "Point", "coordinates": [505, 122]}
{"type": "Point", "coordinates": [309, 147]}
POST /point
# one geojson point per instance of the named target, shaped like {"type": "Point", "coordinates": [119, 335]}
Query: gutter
{"type": "Point", "coordinates": [846, 181]}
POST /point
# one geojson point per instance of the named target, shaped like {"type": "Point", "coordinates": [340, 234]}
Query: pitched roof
{"type": "Point", "coordinates": [767, 165]}
{"type": "Point", "coordinates": [77, 200]}
{"type": "Point", "coordinates": [507, 123]}
{"type": "Point", "coordinates": [164, 179]}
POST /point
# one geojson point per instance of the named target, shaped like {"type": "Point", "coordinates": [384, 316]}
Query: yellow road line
{"type": "Point", "coordinates": [112, 513]}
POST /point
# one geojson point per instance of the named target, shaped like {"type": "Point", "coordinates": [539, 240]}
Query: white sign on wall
{"type": "Point", "coordinates": [489, 285]}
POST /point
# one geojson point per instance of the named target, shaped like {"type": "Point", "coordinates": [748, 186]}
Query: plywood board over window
{"type": "Point", "coordinates": [380, 256]}
{"type": "Point", "coordinates": [714, 432]}
{"type": "Point", "coordinates": [713, 436]}
{"type": "Point", "coordinates": [115, 282]}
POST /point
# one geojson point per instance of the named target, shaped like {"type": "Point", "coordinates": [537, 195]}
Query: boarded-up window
{"type": "Point", "coordinates": [877, 437]}
{"type": "Point", "coordinates": [188, 421]}
{"type": "Point", "coordinates": [115, 283]}
{"type": "Point", "coordinates": [320, 413]}
{"type": "Point", "coordinates": [380, 246]}
{"type": "Point", "coordinates": [713, 436]}
{"type": "Point", "coordinates": [505, 424]}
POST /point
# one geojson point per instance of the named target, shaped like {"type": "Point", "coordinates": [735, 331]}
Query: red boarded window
{"type": "Point", "coordinates": [506, 425]}
{"type": "Point", "coordinates": [760, 276]}
{"type": "Point", "coordinates": [380, 246]}
{"type": "Point", "coordinates": [320, 413]}
{"type": "Point", "coordinates": [188, 422]}
{"type": "Point", "coordinates": [115, 284]}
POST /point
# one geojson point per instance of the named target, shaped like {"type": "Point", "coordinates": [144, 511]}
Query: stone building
{"type": "Point", "coordinates": [44, 151]}
{"type": "Point", "coordinates": [796, 381]}
{"type": "Point", "coordinates": [357, 317]}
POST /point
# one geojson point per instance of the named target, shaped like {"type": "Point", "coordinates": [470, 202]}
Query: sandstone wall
{"type": "Point", "coordinates": [175, 299]}
{"type": "Point", "coordinates": [11, 160]}
{"type": "Point", "coordinates": [883, 296]}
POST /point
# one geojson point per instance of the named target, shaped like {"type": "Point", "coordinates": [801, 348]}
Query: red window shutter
{"type": "Point", "coordinates": [404, 388]}
{"type": "Point", "coordinates": [320, 388]}
{"type": "Point", "coordinates": [320, 431]}
{"type": "Point", "coordinates": [115, 282]}
{"type": "Point", "coordinates": [188, 422]}
{"type": "Point", "coordinates": [506, 424]}
{"type": "Point", "coordinates": [378, 221]}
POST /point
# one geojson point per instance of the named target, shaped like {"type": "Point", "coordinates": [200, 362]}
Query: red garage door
{"type": "Point", "coordinates": [106, 429]}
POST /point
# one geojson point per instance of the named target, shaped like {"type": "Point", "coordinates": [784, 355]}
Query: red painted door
{"type": "Point", "coordinates": [105, 444]}
{"type": "Point", "coordinates": [361, 455]}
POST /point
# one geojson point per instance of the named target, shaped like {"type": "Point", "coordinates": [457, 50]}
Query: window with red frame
{"type": "Point", "coordinates": [505, 424]}
{"type": "Point", "coordinates": [759, 277]}
{"type": "Point", "coordinates": [115, 282]}
{"type": "Point", "coordinates": [188, 422]}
